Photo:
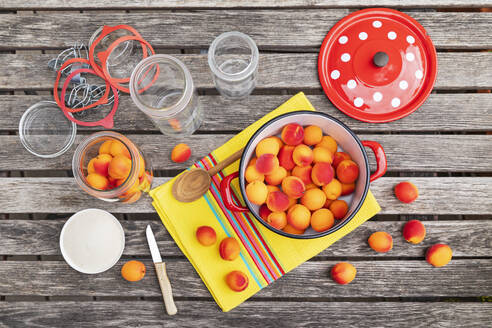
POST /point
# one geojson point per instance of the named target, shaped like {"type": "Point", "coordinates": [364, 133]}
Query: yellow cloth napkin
{"type": "Point", "coordinates": [265, 255]}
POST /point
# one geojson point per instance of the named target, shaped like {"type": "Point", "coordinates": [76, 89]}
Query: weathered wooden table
{"type": "Point", "coordinates": [444, 148]}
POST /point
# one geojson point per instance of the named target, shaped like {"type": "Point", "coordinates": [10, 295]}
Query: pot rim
{"type": "Point", "coordinates": [336, 227]}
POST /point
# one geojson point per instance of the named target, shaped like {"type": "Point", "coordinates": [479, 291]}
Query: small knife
{"type": "Point", "coordinates": [160, 268]}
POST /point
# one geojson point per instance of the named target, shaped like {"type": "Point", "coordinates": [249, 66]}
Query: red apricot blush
{"type": "Point", "coordinates": [277, 201]}
{"type": "Point", "coordinates": [206, 235]}
{"type": "Point", "coordinates": [347, 171]}
{"type": "Point", "coordinates": [292, 134]}
{"type": "Point", "coordinates": [237, 280]}
{"type": "Point", "coordinates": [266, 163]}
{"type": "Point", "coordinates": [285, 157]}
{"type": "Point", "coordinates": [322, 173]}
{"type": "Point", "coordinates": [339, 208]}
{"type": "Point", "coordinates": [406, 192]}
{"type": "Point", "coordinates": [343, 273]}
{"type": "Point", "coordinates": [414, 231]}
{"type": "Point", "coordinates": [180, 153]}
{"type": "Point", "coordinates": [293, 187]}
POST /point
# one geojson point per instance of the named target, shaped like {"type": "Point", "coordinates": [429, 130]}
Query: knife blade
{"type": "Point", "coordinates": [160, 267]}
{"type": "Point", "coordinates": [154, 251]}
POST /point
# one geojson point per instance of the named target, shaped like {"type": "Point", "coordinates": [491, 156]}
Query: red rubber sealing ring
{"type": "Point", "coordinates": [107, 122]}
{"type": "Point", "coordinates": [103, 57]}
{"type": "Point", "coordinates": [105, 31]}
{"type": "Point", "coordinates": [61, 104]}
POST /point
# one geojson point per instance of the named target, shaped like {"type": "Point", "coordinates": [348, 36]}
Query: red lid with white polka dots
{"type": "Point", "coordinates": [377, 65]}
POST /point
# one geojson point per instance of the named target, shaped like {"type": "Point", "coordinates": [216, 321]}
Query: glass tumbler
{"type": "Point", "coordinates": [233, 59]}
{"type": "Point", "coordinates": [161, 86]}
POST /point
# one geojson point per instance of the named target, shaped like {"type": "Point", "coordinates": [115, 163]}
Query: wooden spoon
{"type": "Point", "coordinates": [194, 183]}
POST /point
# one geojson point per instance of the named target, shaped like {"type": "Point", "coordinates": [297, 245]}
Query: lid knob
{"type": "Point", "coordinates": [380, 59]}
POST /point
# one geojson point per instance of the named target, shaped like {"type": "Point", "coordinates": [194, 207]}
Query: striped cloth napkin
{"type": "Point", "coordinates": [265, 256]}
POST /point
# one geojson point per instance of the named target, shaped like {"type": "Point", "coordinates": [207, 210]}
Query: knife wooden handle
{"type": "Point", "coordinates": [167, 292]}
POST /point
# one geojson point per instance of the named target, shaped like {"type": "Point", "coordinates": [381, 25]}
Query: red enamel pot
{"type": "Point", "coordinates": [347, 141]}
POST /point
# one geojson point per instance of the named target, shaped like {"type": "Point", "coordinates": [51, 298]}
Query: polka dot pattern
{"type": "Point", "coordinates": [343, 39]}
{"type": "Point", "coordinates": [377, 96]}
{"type": "Point", "coordinates": [410, 39]}
{"type": "Point", "coordinates": [358, 102]}
{"type": "Point", "coordinates": [345, 57]}
{"type": "Point", "coordinates": [351, 84]}
{"type": "Point", "coordinates": [377, 24]}
{"type": "Point", "coordinates": [363, 35]}
{"type": "Point", "coordinates": [410, 56]}
{"type": "Point", "coordinates": [335, 74]}
{"type": "Point", "coordinates": [395, 102]}
{"type": "Point", "coordinates": [403, 84]}
{"type": "Point", "coordinates": [392, 35]}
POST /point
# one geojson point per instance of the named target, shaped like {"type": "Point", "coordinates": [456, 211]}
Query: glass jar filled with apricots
{"type": "Point", "coordinates": [109, 166]}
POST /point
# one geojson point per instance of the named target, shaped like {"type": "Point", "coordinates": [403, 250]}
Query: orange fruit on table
{"type": "Point", "coordinates": [180, 153]}
{"type": "Point", "coordinates": [343, 273]}
{"type": "Point", "coordinates": [133, 270]}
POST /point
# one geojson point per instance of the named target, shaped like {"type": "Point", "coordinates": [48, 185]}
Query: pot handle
{"type": "Point", "coordinates": [380, 155]}
{"type": "Point", "coordinates": [226, 193]}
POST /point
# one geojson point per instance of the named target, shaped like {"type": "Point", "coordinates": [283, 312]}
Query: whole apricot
{"type": "Point", "coordinates": [339, 208]}
{"type": "Point", "coordinates": [313, 199]}
{"type": "Point", "coordinates": [180, 153]}
{"type": "Point", "coordinates": [322, 173]}
{"type": "Point", "coordinates": [293, 187]}
{"type": "Point", "coordinates": [285, 157]}
{"type": "Point", "coordinates": [267, 146]}
{"type": "Point", "coordinates": [343, 273]}
{"type": "Point", "coordinates": [380, 241]}
{"type": "Point", "coordinates": [333, 190]}
{"type": "Point", "coordinates": [133, 270]}
{"type": "Point", "coordinates": [237, 280]}
{"type": "Point", "coordinates": [322, 154]}
{"type": "Point", "coordinates": [414, 231]}
{"type": "Point", "coordinates": [312, 135]}
{"type": "Point", "coordinates": [406, 192]}
{"type": "Point", "coordinates": [264, 212]}
{"type": "Point", "coordinates": [119, 167]}
{"type": "Point", "coordinates": [257, 192]}
{"type": "Point", "coordinates": [105, 147]}
{"type": "Point", "coordinates": [439, 255]}
{"type": "Point", "coordinates": [206, 235]}
{"type": "Point", "coordinates": [322, 220]}
{"type": "Point", "coordinates": [329, 143]}
{"type": "Point", "coordinates": [118, 148]}
{"type": "Point", "coordinates": [303, 173]}
{"type": "Point", "coordinates": [303, 155]}
{"type": "Point", "coordinates": [290, 229]}
{"type": "Point", "coordinates": [292, 134]}
{"type": "Point", "coordinates": [229, 249]}
{"type": "Point", "coordinates": [347, 171]}
{"type": "Point", "coordinates": [97, 181]}
{"type": "Point", "coordinates": [251, 174]}
{"type": "Point", "coordinates": [276, 177]}
{"type": "Point", "coordinates": [277, 201]}
{"type": "Point", "coordinates": [278, 220]}
{"type": "Point", "coordinates": [266, 163]}
{"type": "Point", "coordinates": [299, 217]}
{"type": "Point", "coordinates": [101, 164]}
{"type": "Point", "coordinates": [339, 157]}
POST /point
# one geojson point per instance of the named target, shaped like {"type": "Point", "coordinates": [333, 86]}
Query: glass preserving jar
{"type": "Point", "coordinates": [162, 87]}
{"type": "Point", "coordinates": [109, 166]}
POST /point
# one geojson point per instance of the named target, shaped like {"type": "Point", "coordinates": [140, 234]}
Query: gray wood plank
{"type": "Point", "coordinates": [249, 314]}
{"type": "Point", "coordinates": [276, 71]}
{"type": "Point", "coordinates": [185, 29]}
{"type": "Point", "coordinates": [441, 112]}
{"type": "Point", "coordinates": [180, 4]}
{"type": "Point", "coordinates": [437, 195]}
{"type": "Point", "coordinates": [467, 238]}
{"type": "Point", "coordinates": [310, 280]}
{"type": "Point", "coordinates": [423, 153]}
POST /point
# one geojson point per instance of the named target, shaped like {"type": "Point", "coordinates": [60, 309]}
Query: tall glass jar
{"type": "Point", "coordinates": [109, 166]}
{"type": "Point", "coordinates": [161, 86]}
{"type": "Point", "coordinates": [233, 59]}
